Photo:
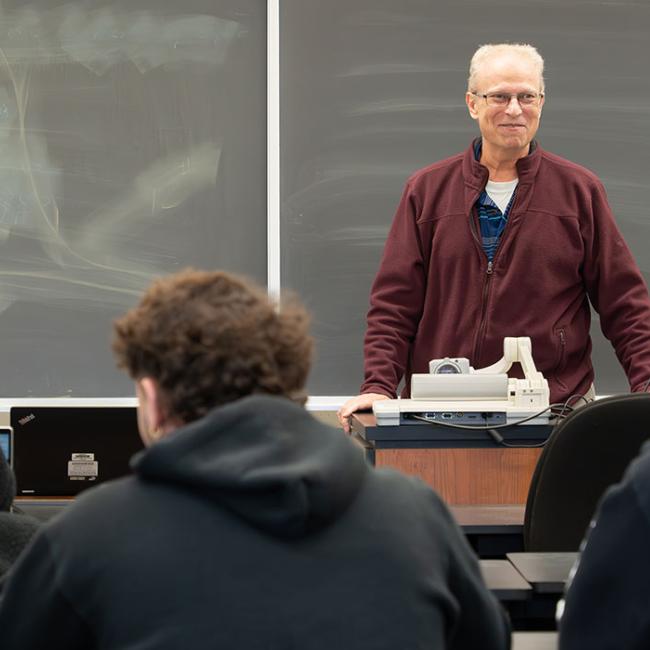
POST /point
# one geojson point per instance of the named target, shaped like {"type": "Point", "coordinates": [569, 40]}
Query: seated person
{"type": "Point", "coordinates": [247, 523]}
{"type": "Point", "coordinates": [606, 603]}
{"type": "Point", "coordinates": [15, 529]}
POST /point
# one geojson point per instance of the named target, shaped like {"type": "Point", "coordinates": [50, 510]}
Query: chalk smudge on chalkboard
{"type": "Point", "coordinates": [109, 36]}
{"type": "Point", "coordinates": [398, 68]}
{"type": "Point", "coordinates": [88, 260]}
{"type": "Point", "coordinates": [404, 105]}
{"type": "Point", "coordinates": [164, 185]}
{"type": "Point", "coordinates": [30, 182]}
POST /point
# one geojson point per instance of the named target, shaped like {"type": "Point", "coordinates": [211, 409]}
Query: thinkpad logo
{"type": "Point", "coordinates": [26, 419]}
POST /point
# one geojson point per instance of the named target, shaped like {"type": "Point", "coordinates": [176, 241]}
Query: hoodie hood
{"type": "Point", "coordinates": [265, 459]}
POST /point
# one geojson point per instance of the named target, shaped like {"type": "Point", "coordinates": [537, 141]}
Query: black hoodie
{"type": "Point", "coordinates": [607, 604]}
{"type": "Point", "coordinates": [255, 527]}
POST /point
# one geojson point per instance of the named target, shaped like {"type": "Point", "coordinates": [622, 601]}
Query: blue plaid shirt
{"type": "Point", "coordinates": [491, 220]}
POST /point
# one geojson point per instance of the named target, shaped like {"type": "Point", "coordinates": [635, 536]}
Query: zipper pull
{"type": "Point", "coordinates": [489, 268]}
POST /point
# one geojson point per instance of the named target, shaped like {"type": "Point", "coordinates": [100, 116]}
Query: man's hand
{"type": "Point", "coordinates": [358, 403]}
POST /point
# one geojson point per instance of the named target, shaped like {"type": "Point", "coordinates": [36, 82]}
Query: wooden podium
{"type": "Point", "coordinates": [464, 467]}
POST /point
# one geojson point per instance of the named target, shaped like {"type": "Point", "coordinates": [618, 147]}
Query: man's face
{"type": "Point", "coordinates": [507, 129]}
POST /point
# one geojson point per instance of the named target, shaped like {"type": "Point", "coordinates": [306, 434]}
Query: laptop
{"type": "Point", "coordinates": [59, 451]}
{"type": "Point", "coordinates": [5, 443]}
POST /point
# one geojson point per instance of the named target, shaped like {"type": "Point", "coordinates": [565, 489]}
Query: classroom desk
{"type": "Point", "coordinates": [493, 530]}
{"type": "Point", "coordinates": [464, 467]}
{"type": "Point", "coordinates": [530, 606]}
{"type": "Point", "coordinates": [42, 508]}
{"type": "Point", "coordinates": [490, 519]}
{"type": "Point", "coordinates": [534, 641]}
{"type": "Point", "coordinates": [504, 581]}
{"type": "Point", "coordinates": [546, 572]}
{"type": "Point", "coordinates": [496, 520]}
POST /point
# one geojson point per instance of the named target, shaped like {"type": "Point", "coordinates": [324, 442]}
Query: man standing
{"type": "Point", "coordinates": [505, 239]}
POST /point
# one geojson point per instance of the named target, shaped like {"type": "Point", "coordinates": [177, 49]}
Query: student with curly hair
{"type": "Point", "coordinates": [247, 523]}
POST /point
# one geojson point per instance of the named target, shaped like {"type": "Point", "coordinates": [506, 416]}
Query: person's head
{"type": "Point", "coordinates": [505, 95]}
{"type": "Point", "coordinates": [199, 339]}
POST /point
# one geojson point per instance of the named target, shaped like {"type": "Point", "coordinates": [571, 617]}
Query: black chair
{"type": "Point", "coordinates": [585, 454]}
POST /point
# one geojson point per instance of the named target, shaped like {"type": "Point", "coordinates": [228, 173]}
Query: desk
{"type": "Point", "coordinates": [530, 597]}
{"type": "Point", "coordinates": [42, 508]}
{"type": "Point", "coordinates": [492, 531]}
{"type": "Point", "coordinates": [464, 467]}
{"type": "Point", "coordinates": [534, 641]}
{"type": "Point", "coordinates": [504, 581]}
{"type": "Point", "coordinates": [546, 572]}
{"type": "Point", "coordinates": [490, 519]}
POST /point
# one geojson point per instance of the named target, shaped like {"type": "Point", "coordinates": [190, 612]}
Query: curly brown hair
{"type": "Point", "coordinates": [209, 338]}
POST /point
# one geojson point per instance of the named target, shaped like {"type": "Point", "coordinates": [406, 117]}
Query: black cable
{"type": "Point", "coordinates": [498, 438]}
{"type": "Point", "coordinates": [492, 430]}
{"type": "Point", "coordinates": [443, 423]}
{"type": "Point", "coordinates": [567, 403]}
{"type": "Point", "coordinates": [563, 406]}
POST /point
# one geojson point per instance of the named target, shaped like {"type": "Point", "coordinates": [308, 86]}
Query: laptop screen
{"type": "Point", "coordinates": [5, 444]}
{"type": "Point", "coordinates": [63, 450]}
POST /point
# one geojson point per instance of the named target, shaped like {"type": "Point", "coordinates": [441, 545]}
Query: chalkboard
{"type": "Point", "coordinates": [374, 89]}
{"type": "Point", "coordinates": [132, 144]}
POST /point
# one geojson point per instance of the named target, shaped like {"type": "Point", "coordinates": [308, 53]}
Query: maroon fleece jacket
{"type": "Point", "coordinates": [435, 294]}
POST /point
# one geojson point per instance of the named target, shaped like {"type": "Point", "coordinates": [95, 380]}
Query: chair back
{"type": "Point", "coordinates": [585, 454]}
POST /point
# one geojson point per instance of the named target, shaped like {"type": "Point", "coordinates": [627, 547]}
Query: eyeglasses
{"type": "Point", "coordinates": [504, 99]}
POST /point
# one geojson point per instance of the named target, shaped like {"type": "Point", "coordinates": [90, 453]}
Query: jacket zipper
{"type": "Point", "coordinates": [561, 361]}
{"type": "Point", "coordinates": [488, 273]}
{"type": "Point", "coordinates": [483, 321]}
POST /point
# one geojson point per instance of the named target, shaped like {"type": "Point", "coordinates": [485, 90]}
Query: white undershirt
{"type": "Point", "coordinates": [501, 192]}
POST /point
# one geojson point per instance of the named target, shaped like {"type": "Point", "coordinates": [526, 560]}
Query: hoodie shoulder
{"type": "Point", "coordinates": [411, 492]}
{"type": "Point", "coordinates": [638, 476]}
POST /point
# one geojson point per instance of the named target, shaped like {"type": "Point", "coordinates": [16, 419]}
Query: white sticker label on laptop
{"type": "Point", "coordinates": [83, 467]}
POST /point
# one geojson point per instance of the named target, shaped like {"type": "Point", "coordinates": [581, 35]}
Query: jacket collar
{"type": "Point", "coordinates": [476, 175]}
